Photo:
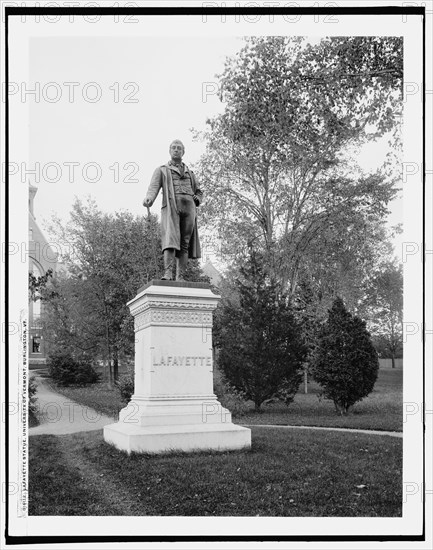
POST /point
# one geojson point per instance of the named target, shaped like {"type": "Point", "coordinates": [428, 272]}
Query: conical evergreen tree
{"type": "Point", "coordinates": [260, 344]}
{"type": "Point", "coordinates": [345, 362]}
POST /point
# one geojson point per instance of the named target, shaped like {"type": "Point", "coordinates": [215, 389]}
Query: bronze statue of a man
{"type": "Point", "coordinates": [180, 197]}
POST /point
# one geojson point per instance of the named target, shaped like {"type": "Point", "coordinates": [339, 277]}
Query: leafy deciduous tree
{"type": "Point", "coordinates": [274, 156]}
{"type": "Point", "coordinates": [386, 311]}
{"type": "Point", "coordinates": [38, 284]}
{"type": "Point", "coordinates": [109, 257]}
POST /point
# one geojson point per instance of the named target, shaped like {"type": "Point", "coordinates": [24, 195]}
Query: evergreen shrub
{"type": "Point", "coordinates": [345, 362]}
{"type": "Point", "coordinates": [67, 371]}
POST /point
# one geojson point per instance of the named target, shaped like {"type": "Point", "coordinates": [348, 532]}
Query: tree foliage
{"type": "Point", "coordinates": [32, 397]}
{"type": "Point", "coordinates": [275, 157]}
{"type": "Point", "coordinates": [194, 272]}
{"type": "Point", "coordinates": [386, 311]}
{"type": "Point", "coordinates": [125, 385]}
{"type": "Point", "coordinates": [345, 361]}
{"type": "Point", "coordinates": [108, 258]}
{"type": "Point", "coordinates": [360, 75]}
{"type": "Point", "coordinates": [72, 318]}
{"type": "Point", "coordinates": [260, 350]}
{"type": "Point", "coordinates": [67, 371]}
{"type": "Point", "coordinates": [38, 284]}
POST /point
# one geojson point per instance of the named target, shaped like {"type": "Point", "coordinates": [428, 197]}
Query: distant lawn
{"type": "Point", "coordinates": [287, 473]}
{"type": "Point", "coordinates": [97, 396]}
{"type": "Point", "coordinates": [381, 410]}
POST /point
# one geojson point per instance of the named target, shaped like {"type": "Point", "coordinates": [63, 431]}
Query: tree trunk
{"type": "Point", "coordinates": [305, 381]}
{"type": "Point", "coordinates": [393, 361]}
{"type": "Point", "coordinates": [115, 365]}
{"type": "Point", "coordinates": [109, 375]}
{"type": "Point", "coordinates": [109, 356]}
{"type": "Point", "coordinates": [339, 408]}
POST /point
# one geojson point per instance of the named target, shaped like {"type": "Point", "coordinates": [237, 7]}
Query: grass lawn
{"type": "Point", "coordinates": [287, 473]}
{"type": "Point", "coordinates": [381, 410]}
{"type": "Point", "coordinates": [97, 396]}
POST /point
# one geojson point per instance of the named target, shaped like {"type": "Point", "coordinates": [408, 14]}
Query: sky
{"type": "Point", "coordinates": [110, 106]}
{"type": "Point", "coordinates": [150, 93]}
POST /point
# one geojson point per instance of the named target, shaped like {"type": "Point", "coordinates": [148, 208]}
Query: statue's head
{"type": "Point", "coordinates": [177, 150]}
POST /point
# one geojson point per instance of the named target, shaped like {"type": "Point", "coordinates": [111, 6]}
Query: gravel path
{"type": "Point", "coordinates": [59, 415]}
{"type": "Point", "coordinates": [352, 430]}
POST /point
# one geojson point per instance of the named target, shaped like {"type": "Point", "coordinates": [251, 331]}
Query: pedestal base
{"type": "Point", "coordinates": [187, 438]}
{"type": "Point", "coordinates": [173, 407]}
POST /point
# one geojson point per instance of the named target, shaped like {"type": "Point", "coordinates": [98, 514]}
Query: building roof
{"type": "Point", "coordinates": [212, 272]}
{"type": "Point", "coordinates": [39, 249]}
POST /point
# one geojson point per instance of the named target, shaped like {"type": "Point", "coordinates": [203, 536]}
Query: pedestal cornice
{"type": "Point", "coordinates": [174, 305]}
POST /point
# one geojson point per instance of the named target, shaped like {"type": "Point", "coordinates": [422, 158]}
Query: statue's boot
{"type": "Point", "coordinates": [181, 263]}
{"type": "Point", "coordinates": [169, 258]}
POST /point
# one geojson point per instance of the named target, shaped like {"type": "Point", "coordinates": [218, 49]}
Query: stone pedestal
{"type": "Point", "coordinates": [173, 406]}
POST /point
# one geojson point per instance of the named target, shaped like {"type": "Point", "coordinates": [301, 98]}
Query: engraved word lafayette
{"type": "Point", "coordinates": [180, 197]}
{"type": "Point", "coordinates": [186, 360]}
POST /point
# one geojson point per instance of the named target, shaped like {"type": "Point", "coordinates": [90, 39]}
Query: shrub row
{"type": "Point", "coordinates": [67, 371]}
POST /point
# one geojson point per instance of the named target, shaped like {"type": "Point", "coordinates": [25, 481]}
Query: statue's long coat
{"type": "Point", "coordinates": [170, 227]}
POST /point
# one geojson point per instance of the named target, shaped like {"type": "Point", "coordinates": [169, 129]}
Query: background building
{"type": "Point", "coordinates": [42, 257]}
{"type": "Point", "coordinates": [212, 272]}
